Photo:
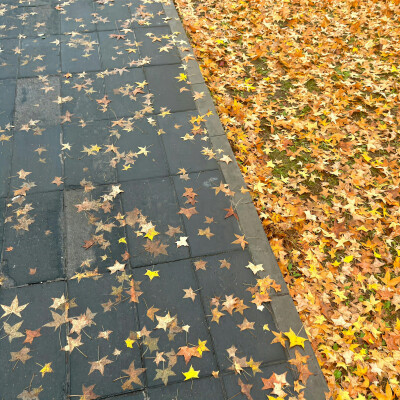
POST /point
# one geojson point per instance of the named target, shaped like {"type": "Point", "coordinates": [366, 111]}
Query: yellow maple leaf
{"type": "Point", "coordinates": [191, 374]}
{"type": "Point", "coordinates": [152, 274]}
{"type": "Point", "coordinates": [46, 369]}
{"type": "Point", "coordinates": [294, 339]}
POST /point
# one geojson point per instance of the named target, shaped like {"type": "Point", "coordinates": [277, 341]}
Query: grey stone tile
{"type": "Point", "coordinates": [88, 158]}
{"type": "Point", "coordinates": [115, 52]}
{"type": "Point", "coordinates": [84, 92]}
{"type": "Point", "coordinates": [220, 233]}
{"type": "Point", "coordinates": [40, 56]}
{"type": "Point", "coordinates": [166, 293]}
{"type": "Point", "coordinates": [8, 58]}
{"type": "Point", "coordinates": [78, 16]}
{"type": "Point", "coordinates": [184, 143]}
{"type": "Point", "coordinates": [157, 43]}
{"type": "Point", "coordinates": [199, 389]}
{"type": "Point", "coordinates": [40, 155]}
{"type": "Point", "coordinates": [155, 198]}
{"type": "Point", "coordinates": [10, 22]}
{"type": "Point", "coordinates": [217, 282]}
{"type": "Point", "coordinates": [120, 320]}
{"type": "Point", "coordinates": [80, 52]}
{"type": "Point", "coordinates": [41, 21]}
{"type": "Point", "coordinates": [145, 148]}
{"type": "Point", "coordinates": [34, 104]}
{"type": "Point", "coordinates": [111, 15]}
{"type": "Point", "coordinates": [257, 392]}
{"type": "Point", "coordinates": [126, 95]}
{"type": "Point", "coordinates": [46, 348]}
{"type": "Point", "coordinates": [165, 86]}
{"type": "Point", "coordinates": [5, 166]}
{"type": "Point", "coordinates": [35, 236]}
{"type": "Point", "coordinates": [101, 229]}
{"type": "Point", "coordinates": [7, 101]}
{"type": "Point", "coordinates": [148, 14]}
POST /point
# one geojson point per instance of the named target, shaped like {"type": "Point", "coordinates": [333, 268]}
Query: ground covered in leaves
{"type": "Point", "coordinates": [124, 269]}
{"type": "Point", "coordinates": [308, 94]}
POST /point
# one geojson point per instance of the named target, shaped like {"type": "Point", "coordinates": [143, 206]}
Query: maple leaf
{"type": "Point", "coordinates": [21, 355]}
{"type": "Point", "coordinates": [245, 389]}
{"type": "Point", "coordinates": [30, 394]}
{"type": "Point", "coordinates": [246, 325]}
{"type": "Point", "coordinates": [87, 393]}
{"type": "Point", "coordinates": [12, 330]}
{"type": "Point", "coordinates": [189, 294]}
{"type": "Point", "coordinates": [152, 274]}
{"type": "Point", "coordinates": [99, 365]}
{"type": "Point", "coordinates": [164, 322]}
{"type": "Point", "coordinates": [206, 232]}
{"type": "Point", "coordinates": [164, 374]}
{"type": "Point", "coordinates": [14, 308]}
{"type": "Point", "coordinates": [134, 294]}
{"type": "Point", "coordinates": [182, 241]}
{"type": "Point", "coordinates": [188, 212]}
{"type": "Point", "coordinates": [240, 240]}
{"type": "Point", "coordinates": [46, 369]}
{"type": "Point", "coordinates": [30, 335]}
{"type": "Point", "coordinates": [255, 268]}
{"type": "Point", "coordinates": [116, 267]}
{"type": "Point", "coordinates": [191, 374]}
{"type": "Point", "coordinates": [133, 374]}
{"type": "Point", "coordinates": [294, 340]}
{"type": "Point", "coordinates": [187, 352]}
{"type": "Point", "coordinates": [151, 311]}
{"type": "Point", "coordinates": [155, 248]}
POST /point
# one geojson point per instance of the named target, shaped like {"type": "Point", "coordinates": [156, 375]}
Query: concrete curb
{"type": "Point", "coordinates": [284, 311]}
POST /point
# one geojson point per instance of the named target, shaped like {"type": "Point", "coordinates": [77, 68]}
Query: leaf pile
{"type": "Point", "coordinates": [308, 93]}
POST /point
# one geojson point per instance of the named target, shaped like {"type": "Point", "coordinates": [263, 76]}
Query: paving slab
{"type": "Point", "coordinates": [103, 335]}
{"type": "Point", "coordinates": [33, 234]}
{"type": "Point", "coordinates": [31, 345]}
{"type": "Point", "coordinates": [32, 103]}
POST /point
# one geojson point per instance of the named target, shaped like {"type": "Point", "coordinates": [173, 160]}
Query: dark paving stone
{"type": "Point", "coordinates": [41, 21]}
{"type": "Point", "coordinates": [233, 388]}
{"type": "Point", "coordinates": [38, 248]}
{"type": "Point", "coordinates": [165, 87]}
{"type": "Point", "coordinates": [38, 154]}
{"type": "Point", "coordinates": [7, 101]}
{"type": "Point", "coordinates": [10, 23]}
{"type": "Point", "coordinates": [8, 58]}
{"type": "Point", "coordinates": [166, 293]}
{"type": "Point", "coordinates": [5, 166]}
{"type": "Point", "coordinates": [208, 205]}
{"type": "Point", "coordinates": [105, 231]}
{"type": "Point", "coordinates": [156, 200]}
{"type": "Point", "coordinates": [32, 103]}
{"type": "Point", "coordinates": [40, 56]}
{"type": "Point", "coordinates": [220, 282]}
{"type": "Point", "coordinates": [83, 90]}
{"type": "Point", "coordinates": [156, 44]}
{"type": "Point", "coordinates": [111, 15]}
{"type": "Point", "coordinates": [18, 376]}
{"type": "Point", "coordinates": [93, 164]}
{"type": "Point", "coordinates": [120, 319]}
{"type": "Point", "coordinates": [78, 17]}
{"type": "Point", "coordinates": [148, 14]}
{"type": "Point", "coordinates": [120, 88]}
{"type": "Point", "coordinates": [199, 389]}
{"type": "Point", "coordinates": [118, 53]}
{"type": "Point", "coordinates": [80, 53]}
{"type": "Point", "coordinates": [184, 153]}
{"type": "Point", "coordinates": [144, 138]}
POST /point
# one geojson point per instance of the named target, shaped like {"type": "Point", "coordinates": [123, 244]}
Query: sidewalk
{"type": "Point", "coordinates": [133, 264]}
